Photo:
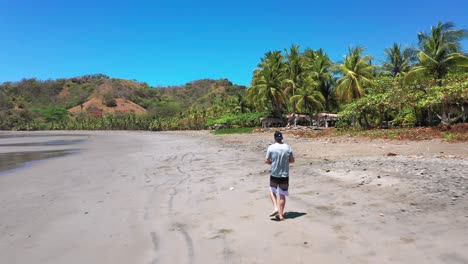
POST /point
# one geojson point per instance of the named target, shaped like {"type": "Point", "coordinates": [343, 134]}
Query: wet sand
{"type": "Point", "coordinates": [191, 197]}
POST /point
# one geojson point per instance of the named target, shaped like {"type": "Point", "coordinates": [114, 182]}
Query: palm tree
{"type": "Point", "coordinates": [357, 73]}
{"type": "Point", "coordinates": [308, 100]}
{"type": "Point", "coordinates": [398, 62]}
{"type": "Point", "coordinates": [239, 104]}
{"type": "Point", "coordinates": [439, 53]}
{"type": "Point", "coordinates": [266, 83]}
{"type": "Point", "coordinates": [318, 66]}
{"type": "Point", "coordinates": [294, 68]}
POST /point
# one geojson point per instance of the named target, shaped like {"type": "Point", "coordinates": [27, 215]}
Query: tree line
{"type": "Point", "coordinates": [412, 86]}
{"type": "Point", "coordinates": [419, 85]}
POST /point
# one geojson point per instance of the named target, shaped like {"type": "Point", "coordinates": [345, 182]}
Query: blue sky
{"type": "Point", "coordinates": [175, 42]}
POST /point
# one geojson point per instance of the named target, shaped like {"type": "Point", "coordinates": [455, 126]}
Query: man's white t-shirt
{"type": "Point", "coordinates": [279, 154]}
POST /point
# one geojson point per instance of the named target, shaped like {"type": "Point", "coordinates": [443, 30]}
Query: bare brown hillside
{"type": "Point", "coordinates": [96, 107]}
{"type": "Point", "coordinates": [118, 90]}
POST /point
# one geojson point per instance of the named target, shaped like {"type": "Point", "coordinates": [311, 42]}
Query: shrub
{"type": "Point", "coordinates": [109, 100]}
{"type": "Point", "coordinates": [239, 120]}
{"type": "Point", "coordinates": [406, 118]}
{"type": "Point", "coordinates": [111, 103]}
{"type": "Point", "coordinates": [55, 114]}
{"type": "Point", "coordinates": [243, 130]}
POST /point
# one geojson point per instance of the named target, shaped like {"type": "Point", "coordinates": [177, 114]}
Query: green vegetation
{"type": "Point", "coordinates": [455, 136]}
{"type": "Point", "coordinates": [414, 87]}
{"type": "Point", "coordinates": [55, 114]}
{"type": "Point", "coordinates": [241, 130]}
{"type": "Point", "coordinates": [237, 120]}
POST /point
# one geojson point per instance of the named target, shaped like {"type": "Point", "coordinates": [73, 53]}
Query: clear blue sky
{"type": "Point", "coordinates": [174, 42]}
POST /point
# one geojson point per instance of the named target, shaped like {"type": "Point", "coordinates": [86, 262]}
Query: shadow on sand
{"type": "Point", "coordinates": [289, 215]}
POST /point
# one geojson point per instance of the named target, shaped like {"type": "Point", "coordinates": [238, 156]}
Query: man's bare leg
{"type": "Point", "coordinates": [275, 203]}
{"type": "Point", "coordinates": [282, 204]}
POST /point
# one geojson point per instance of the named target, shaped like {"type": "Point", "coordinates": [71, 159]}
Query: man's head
{"type": "Point", "coordinates": [278, 136]}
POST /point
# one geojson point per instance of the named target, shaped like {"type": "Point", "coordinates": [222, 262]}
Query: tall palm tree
{"type": "Point", "coordinates": [439, 53]}
{"type": "Point", "coordinates": [239, 104]}
{"type": "Point", "coordinates": [318, 67]}
{"type": "Point", "coordinates": [266, 83]}
{"type": "Point", "coordinates": [398, 61]}
{"type": "Point", "coordinates": [294, 69]}
{"type": "Point", "coordinates": [357, 73]}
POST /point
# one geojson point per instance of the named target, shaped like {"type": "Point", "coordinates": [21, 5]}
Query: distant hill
{"type": "Point", "coordinates": [202, 92]}
{"type": "Point", "coordinates": [98, 94]}
{"type": "Point", "coordinates": [96, 107]}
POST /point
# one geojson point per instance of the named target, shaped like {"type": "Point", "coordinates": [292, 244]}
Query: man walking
{"type": "Point", "coordinates": [279, 155]}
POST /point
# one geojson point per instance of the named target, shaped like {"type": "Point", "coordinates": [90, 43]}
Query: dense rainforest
{"type": "Point", "coordinates": [414, 86]}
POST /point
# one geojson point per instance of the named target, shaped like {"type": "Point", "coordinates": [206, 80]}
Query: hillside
{"type": "Point", "coordinates": [96, 107]}
{"type": "Point", "coordinates": [98, 95]}
{"type": "Point", "coordinates": [203, 92]}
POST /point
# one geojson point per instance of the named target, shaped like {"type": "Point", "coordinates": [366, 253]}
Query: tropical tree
{"type": "Point", "coordinates": [266, 87]}
{"type": "Point", "coordinates": [294, 70]}
{"type": "Point", "coordinates": [357, 73]}
{"type": "Point", "coordinates": [439, 53]}
{"type": "Point", "coordinates": [239, 104]}
{"type": "Point", "coordinates": [318, 66]}
{"type": "Point", "coordinates": [307, 100]}
{"type": "Point", "coordinates": [398, 61]}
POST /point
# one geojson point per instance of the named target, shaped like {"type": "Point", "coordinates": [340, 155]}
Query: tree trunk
{"type": "Point", "coordinates": [429, 115]}
{"type": "Point", "coordinates": [464, 108]}
{"type": "Point", "coordinates": [366, 121]}
{"type": "Point", "coordinates": [363, 116]}
{"type": "Point", "coordinates": [444, 119]}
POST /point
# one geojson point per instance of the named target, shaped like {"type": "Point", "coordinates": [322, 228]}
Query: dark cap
{"type": "Point", "coordinates": [278, 135]}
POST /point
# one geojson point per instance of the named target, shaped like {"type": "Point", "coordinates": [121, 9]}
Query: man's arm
{"type": "Point", "coordinates": [268, 156]}
{"type": "Point", "coordinates": [291, 157]}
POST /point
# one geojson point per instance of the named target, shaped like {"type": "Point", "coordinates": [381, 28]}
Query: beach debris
{"type": "Point", "coordinates": [231, 188]}
{"type": "Point", "coordinates": [391, 154]}
{"type": "Point", "coordinates": [381, 214]}
{"type": "Point", "coordinates": [327, 170]}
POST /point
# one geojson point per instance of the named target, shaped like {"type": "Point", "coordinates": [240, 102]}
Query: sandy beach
{"type": "Point", "coordinates": [193, 197]}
